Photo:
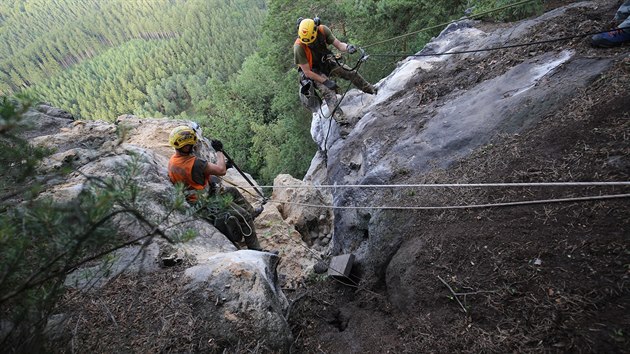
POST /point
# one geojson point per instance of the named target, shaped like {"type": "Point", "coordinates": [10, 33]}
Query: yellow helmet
{"type": "Point", "coordinates": [182, 136]}
{"type": "Point", "coordinates": [307, 31]}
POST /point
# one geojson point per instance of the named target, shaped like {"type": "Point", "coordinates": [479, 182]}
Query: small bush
{"type": "Point", "coordinates": [41, 240]}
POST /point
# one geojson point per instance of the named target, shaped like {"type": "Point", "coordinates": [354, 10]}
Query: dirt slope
{"type": "Point", "coordinates": [552, 277]}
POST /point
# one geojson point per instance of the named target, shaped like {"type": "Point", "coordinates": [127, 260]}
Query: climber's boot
{"type": "Point", "coordinates": [257, 211]}
{"type": "Point", "coordinates": [344, 123]}
{"type": "Point", "coordinates": [371, 89]}
{"type": "Point", "coordinates": [611, 39]}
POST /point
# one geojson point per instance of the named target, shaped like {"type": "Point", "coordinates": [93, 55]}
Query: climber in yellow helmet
{"type": "Point", "coordinates": [310, 52]}
{"type": "Point", "coordinates": [233, 216]}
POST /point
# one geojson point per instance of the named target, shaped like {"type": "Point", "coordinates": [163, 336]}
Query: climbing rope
{"type": "Point", "coordinates": [355, 69]}
{"type": "Point", "coordinates": [232, 217]}
{"type": "Point", "coordinates": [472, 206]}
{"type": "Point", "coordinates": [442, 25]}
{"type": "Point", "coordinates": [457, 185]}
{"type": "Point", "coordinates": [460, 185]}
{"type": "Point", "coordinates": [494, 48]}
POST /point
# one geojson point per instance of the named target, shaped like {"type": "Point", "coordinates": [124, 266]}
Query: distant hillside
{"type": "Point", "coordinates": [99, 59]}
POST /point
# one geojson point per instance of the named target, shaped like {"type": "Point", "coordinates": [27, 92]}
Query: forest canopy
{"type": "Point", "coordinates": [225, 64]}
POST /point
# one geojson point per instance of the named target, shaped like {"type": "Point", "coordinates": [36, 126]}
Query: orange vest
{"type": "Point", "coordinates": [180, 170]}
{"type": "Point", "coordinates": [307, 50]}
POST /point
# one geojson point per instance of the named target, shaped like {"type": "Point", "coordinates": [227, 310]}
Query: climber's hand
{"type": "Point", "coordinates": [217, 145]}
{"type": "Point", "coordinates": [331, 84]}
{"type": "Point", "coordinates": [351, 49]}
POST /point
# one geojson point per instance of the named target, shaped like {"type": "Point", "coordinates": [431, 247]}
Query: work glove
{"type": "Point", "coordinates": [217, 145]}
{"type": "Point", "coordinates": [194, 126]}
{"type": "Point", "coordinates": [351, 49]}
{"type": "Point", "coordinates": [331, 84]}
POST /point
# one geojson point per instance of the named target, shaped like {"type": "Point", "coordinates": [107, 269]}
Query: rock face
{"type": "Point", "coordinates": [246, 283]}
{"type": "Point", "coordinates": [411, 127]}
{"type": "Point", "coordinates": [305, 208]}
{"type": "Point", "coordinates": [297, 258]}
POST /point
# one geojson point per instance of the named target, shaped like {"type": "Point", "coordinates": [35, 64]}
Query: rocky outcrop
{"type": "Point", "coordinates": [244, 285]}
{"type": "Point", "coordinates": [419, 121]}
{"type": "Point", "coordinates": [305, 206]}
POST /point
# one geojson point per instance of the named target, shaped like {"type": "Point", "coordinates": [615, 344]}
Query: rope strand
{"type": "Point", "coordinates": [457, 185]}
{"type": "Point", "coordinates": [448, 23]}
{"type": "Point", "coordinates": [494, 48]}
{"type": "Point", "coordinates": [472, 206]}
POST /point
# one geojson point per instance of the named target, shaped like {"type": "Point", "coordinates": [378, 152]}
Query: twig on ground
{"type": "Point", "coordinates": [293, 303]}
{"type": "Point", "coordinates": [111, 316]}
{"type": "Point", "coordinates": [454, 294]}
{"type": "Point", "coordinates": [295, 341]}
{"type": "Point", "coordinates": [477, 292]}
{"type": "Point", "coordinates": [74, 334]}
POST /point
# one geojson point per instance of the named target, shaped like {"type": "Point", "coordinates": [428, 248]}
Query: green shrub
{"type": "Point", "coordinates": [41, 240]}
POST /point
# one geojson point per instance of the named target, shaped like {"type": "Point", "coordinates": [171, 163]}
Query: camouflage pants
{"type": "Point", "coordinates": [623, 15]}
{"type": "Point", "coordinates": [330, 96]}
{"type": "Point", "coordinates": [236, 220]}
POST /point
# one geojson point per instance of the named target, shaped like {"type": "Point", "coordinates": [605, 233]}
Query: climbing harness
{"type": "Point", "coordinates": [308, 96]}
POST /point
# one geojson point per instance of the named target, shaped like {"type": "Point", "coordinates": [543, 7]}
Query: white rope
{"type": "Point", "coordinates": [456, 185]}
{"type": "Point", "coordinates": [472, 206]}
{"type": "Point", "coordinates": [251, 230]}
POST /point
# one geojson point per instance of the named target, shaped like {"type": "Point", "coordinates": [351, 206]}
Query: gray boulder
{"type": "Point", "coordinates": [239, 292]}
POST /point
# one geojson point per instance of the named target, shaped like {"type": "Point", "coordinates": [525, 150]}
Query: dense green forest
{"type": "Point", "coordinates": [226, 64]}
{"type": "Point", "coordinates": [105, 58]}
